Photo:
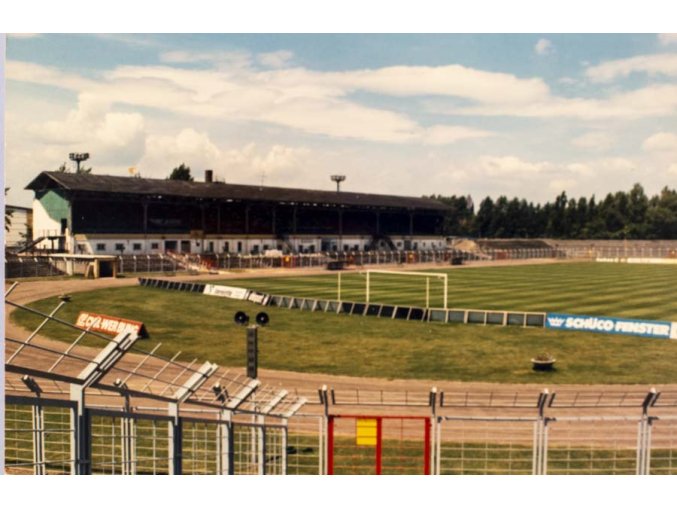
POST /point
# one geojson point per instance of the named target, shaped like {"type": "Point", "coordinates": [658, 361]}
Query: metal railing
{"type": "Point", "coordinates": [77, 408]}
{"type": "Point", "coordinates": [36, 266]}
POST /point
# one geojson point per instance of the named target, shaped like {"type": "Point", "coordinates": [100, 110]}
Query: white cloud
{"type": "Point", "coordinates": [672, 169]}
{"type": "Point", "coordinates": [233, 59]}
{"type": "Point", "coordinates": [314, 102]}
{"type": "Point", "coordinates": [661, 142]}
{"type": "Point", "coordinates": [594, 141]}
{"type": "Point", "coordinates": [275, 59]}
{"type": "Point", "coordinates": [448, 80]}
{"type": "Point", "coordinates": [658, 64]}
{"type": "Point", "coordinates": [511, 166]}
{"type": "Point", "coordinates": [445, 134]}
{"type": "Point", "coordinates": [190, 147]}
{"type": "Point", "coordinates": [667, 38]}
{"type": "Point", "coordinates": [560, 185]}
{"type": "Point", "coordinates": [650, 101]}
{"type": "Point", "coordinates": [599, 166]}
{"type": "Point", "coordinates": [113, 137]}
{"type": "Point", "coordinates": [279, 164]}
{"type": "Point", "coordinates": [543, 47]}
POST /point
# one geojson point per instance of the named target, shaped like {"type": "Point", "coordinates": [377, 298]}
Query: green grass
{"type": "Point", "coordinates": [302, 341]}
{"type": "Point", "coordinates": [624, 290]}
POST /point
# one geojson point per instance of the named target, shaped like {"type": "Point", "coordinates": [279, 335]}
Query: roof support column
{"type": "Point", "coordinates": [340, 230]}
{"type": "Point", "coordinates": [274, 215]}
{"type": "Point", "coordinates": [145, 218]}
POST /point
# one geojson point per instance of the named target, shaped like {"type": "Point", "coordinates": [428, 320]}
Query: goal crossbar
{"type": "Point", "coordinates": [428, 276]}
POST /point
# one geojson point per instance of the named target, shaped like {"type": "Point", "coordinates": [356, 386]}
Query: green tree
{"type": "Point", "coordinates": [662, 215]}
{"type": "Point", "coordinates": [483, 222]}
{"type": "Point", "coordinates": [181, 173]}
{"type": "Point", "coordinates": [63, 168]}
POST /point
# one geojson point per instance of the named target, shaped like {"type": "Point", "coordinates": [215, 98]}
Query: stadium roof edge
{"type": "Point", "coordinates": [217, 191]}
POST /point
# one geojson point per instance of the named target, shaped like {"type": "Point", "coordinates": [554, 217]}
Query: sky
{"type": "Point", "coordinates": [525, 116]}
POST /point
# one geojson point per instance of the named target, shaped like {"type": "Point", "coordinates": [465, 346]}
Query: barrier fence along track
{"type": "Point", "coordinates": [116, 409]}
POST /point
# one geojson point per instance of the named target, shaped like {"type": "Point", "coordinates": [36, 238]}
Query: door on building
{"type": "Point", "coordinates": [170, 246]}
{"type": "Point", "coordinates": [378, 445]}
{"type": "Point", "coordinates": [185, 246]}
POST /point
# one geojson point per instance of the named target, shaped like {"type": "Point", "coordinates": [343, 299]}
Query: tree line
{"type": "Point", "coordinates": [620, 215]}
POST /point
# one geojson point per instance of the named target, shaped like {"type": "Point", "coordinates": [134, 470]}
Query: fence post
{"type": "Point", "coordinates": [327, 442]}
{"type": "Point", "coordinates": [225, 444]}
{"type": "Point", "coordinates": [175, 440]}
{"type": "Point", "coordinates": [540, 451]}
{"type": "Point", "coordinates": [644, 431]}
{"type": "Point", "coordinates": [127, 437]}
{"type": "Point", "coordinates": [38, 439]}
{"type": "Point", "coordinates": [81, 438]}
{"type": "Point", "coordinates": [432, 443]}
{"type": "Point", "coordinates": [285, 442]}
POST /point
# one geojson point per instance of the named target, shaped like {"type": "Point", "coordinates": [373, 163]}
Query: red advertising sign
{"type": "Point", "coordinates": [109, 325]}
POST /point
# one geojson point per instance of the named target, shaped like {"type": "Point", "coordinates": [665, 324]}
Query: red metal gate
{"type": "Point", "coordinates": [376, 445]}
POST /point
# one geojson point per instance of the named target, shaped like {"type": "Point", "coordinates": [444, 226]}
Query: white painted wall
{"type": "Point", "coordinates": [43, 224]}
{"type": "Point", "coordinates": [90, 244]}
{"type": "Point", "coordinates": [19, 227]}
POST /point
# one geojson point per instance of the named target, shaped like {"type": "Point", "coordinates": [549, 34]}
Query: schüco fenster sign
{"type": "Point", "coordinates": [612, 325]}
{"type": "Point", "coordinates": [100, 323]}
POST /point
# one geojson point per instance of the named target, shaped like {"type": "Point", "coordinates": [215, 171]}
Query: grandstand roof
{"type": "Point", "coordinates": [221, 191]}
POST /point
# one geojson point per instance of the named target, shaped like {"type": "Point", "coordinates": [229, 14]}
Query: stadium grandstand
{"type": "Point", "coordinates": [96, 214]}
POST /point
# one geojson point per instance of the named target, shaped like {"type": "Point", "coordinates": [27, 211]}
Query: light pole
{"type": "Point", "coordinates": [77, 158]}
{"type": "Point", "coordinates": [338, 178]}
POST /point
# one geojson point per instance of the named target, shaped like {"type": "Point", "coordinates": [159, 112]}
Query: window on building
{"type": "Point", "coordinates": [120, 247]}
{"type": "Point", "coordinates": [101, 247]}
{"type": "Point", "coordinates": [255, 249]}
{"type": "Point", "coordinates": [155, 246]}
{"type": "Point", "coordinates": [239, 247]}
{"type": "Point", "coordinates": [136, 247]}
{"type": "Point", "coordinates": [226, 247]}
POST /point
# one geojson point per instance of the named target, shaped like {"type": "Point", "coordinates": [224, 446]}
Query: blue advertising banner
{"type": "Point", "coordinates": [612, 325]}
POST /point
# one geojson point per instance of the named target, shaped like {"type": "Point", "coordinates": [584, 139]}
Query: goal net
{"type": "Point", "coordinates": [411, 288]}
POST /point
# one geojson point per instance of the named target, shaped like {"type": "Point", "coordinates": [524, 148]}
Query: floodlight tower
{"type": "Point", "coordinates": [338, 178]}
{"type": "Point", "coordinates": [77, 158]}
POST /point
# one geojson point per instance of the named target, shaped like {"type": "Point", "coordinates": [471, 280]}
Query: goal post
{"type": "Point", "coordinates": [427, 275]}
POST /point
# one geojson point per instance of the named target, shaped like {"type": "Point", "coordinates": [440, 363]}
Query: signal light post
{"type": "Point", "coordinates": [242, 319]}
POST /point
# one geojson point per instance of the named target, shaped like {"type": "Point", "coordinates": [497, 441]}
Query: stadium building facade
{"type": "Point", "coordinates": [97, 214]}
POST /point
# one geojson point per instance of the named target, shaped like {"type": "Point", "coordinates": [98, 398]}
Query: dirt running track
{"type": "Point", "coordinates": [306, 383]}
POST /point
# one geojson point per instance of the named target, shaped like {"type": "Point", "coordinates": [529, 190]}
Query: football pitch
{"type": "Point", "coordinates": [314, 342]}
{"type": "Point", "coordinates": [622, 290]}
